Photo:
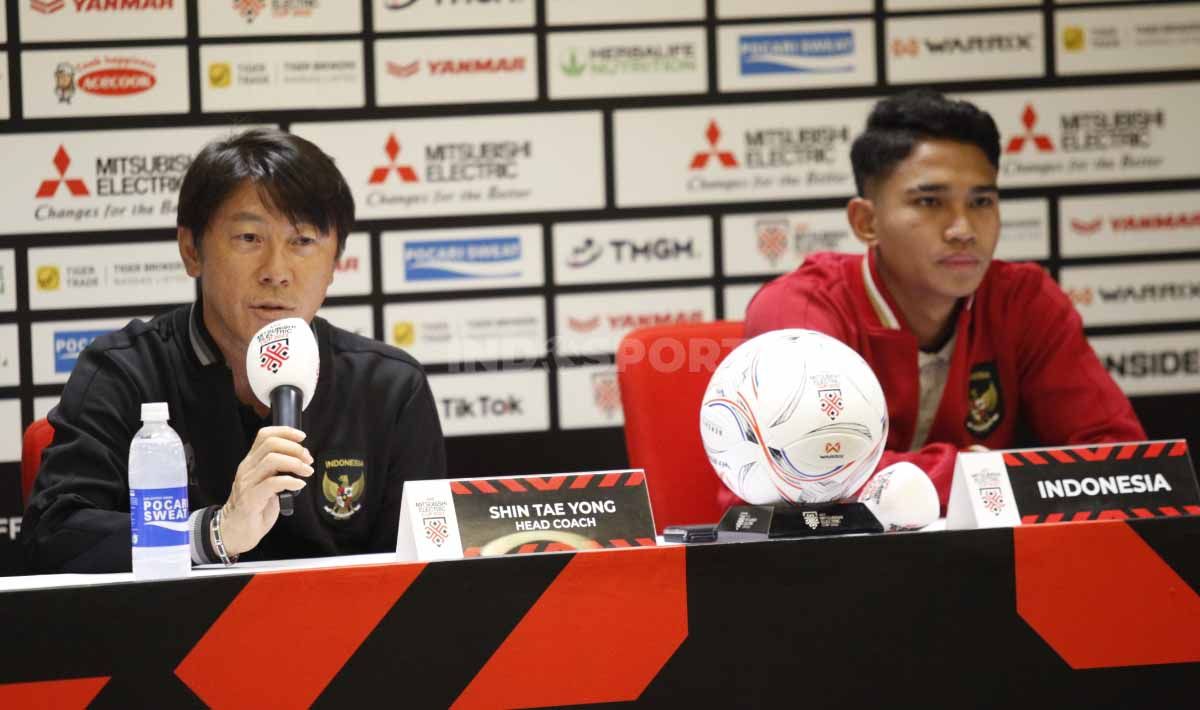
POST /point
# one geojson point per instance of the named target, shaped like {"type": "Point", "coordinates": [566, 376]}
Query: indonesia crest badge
{"type": "Point", "coordinates": [343, 482]}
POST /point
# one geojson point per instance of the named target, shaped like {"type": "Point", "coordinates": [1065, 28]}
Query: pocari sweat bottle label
{"type": "Point", "coordinates": [159, 516]}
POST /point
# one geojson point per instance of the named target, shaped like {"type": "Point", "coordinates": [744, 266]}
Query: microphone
{"type": "Point", "coordinates": [902, 497]}
{"type": "Point", "coordinates": [282, 364]}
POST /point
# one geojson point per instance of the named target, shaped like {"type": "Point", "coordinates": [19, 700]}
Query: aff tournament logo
{"type": "Point", "coordinates": [993, 499]}
{"type": "Point", "coordinates": [606, 393]}
{"type": "Point", "coordinates": [437, 530]}
{"type": "Point", "coordinates": [985, 407]}
{"type": "Point", "coordinates": [249, 9]}
{"type": "Point", "coordinates": [273, 354]}
{"type": "Point", "coordinates": [343, 483]}
{"type": "Point", "coordinates": [726, 158]}
{"type": "Point", "coordinates": [772, 238]}
{"type": "Point", "coordinates": [832, 403]}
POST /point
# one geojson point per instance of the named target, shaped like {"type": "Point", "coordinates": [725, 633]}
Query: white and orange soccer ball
{"type": "Point", "coordinates": [793, 416]}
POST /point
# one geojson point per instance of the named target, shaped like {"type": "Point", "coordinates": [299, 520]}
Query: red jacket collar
{"type": "Point", "coordinates": [877, 299]}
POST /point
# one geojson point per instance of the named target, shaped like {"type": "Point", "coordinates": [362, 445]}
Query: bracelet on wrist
{"type": "Point", "coordinates": [218, 543]}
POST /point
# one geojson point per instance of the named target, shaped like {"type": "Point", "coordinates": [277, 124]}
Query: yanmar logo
{"type": "Point", "coordinates": [726, 158]}
{"type": "Point", "coordinates": [1155, 222]}
{"type": "Point", "coordinates": [1086, 227]}
{"type": "Point", "coordinates": [50, 7]}
{"type": "Point", "coordinates": [49, 188]}
{"type": "Point", "coordinates": [380, 174]}
{"type": "Point", "coordinates": [1017, 143]}
{"type": "Point", "coordinates": [1138, 223]}
{"type": "Point", "coordinates": [628, 321]}
{"type": "Point", "coordinates": [459, 67]}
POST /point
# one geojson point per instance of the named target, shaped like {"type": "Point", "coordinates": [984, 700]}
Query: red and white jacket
{"type": "Point", "coordinates": [1022, 372]}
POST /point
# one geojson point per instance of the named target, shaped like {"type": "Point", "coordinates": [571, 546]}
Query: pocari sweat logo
{"type": "Point", "coordinates": [159, 516]}
{"type": "Point", "coordinates": [68, 344]}
{"type": "Point", "coordinates": [483, 258]}
{"type": "Point", "coordinates": [797, 53]}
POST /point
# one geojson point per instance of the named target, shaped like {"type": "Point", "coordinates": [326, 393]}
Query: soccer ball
{"type": "Point", "coordinates": [793, 416]}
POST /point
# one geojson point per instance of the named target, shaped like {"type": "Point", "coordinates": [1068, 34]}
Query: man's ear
{"type": "Point", "coordinates": [860, 213]}
{"type": "Point", "coordinates": [189, 251]}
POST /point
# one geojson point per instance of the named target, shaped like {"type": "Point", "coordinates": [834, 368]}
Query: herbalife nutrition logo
{"type": "Point", "coordinates": [617, 60]}
{"type": "Point", "coordinates": [571, 65]}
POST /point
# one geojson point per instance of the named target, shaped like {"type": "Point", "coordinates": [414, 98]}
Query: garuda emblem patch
{"type": "Point", "coordinates": [343, 483]}
{"type": "Point", "coordinates": [985, 405]}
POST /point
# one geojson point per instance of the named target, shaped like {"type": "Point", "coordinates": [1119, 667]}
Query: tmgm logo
{"type": "Point", "coordinates": [68, 344]}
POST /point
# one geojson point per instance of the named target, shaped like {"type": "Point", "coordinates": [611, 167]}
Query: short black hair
{"type": "Point", "coordinates": [899, 122]}
{"type": "Point", "coordinates": [293, 177]}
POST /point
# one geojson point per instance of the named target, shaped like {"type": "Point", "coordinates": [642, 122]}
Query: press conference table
{"type": "Point", "coordinates": [1093, 614]}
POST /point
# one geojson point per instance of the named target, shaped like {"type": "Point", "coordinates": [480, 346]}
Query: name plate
{"type": "Point", "coordinates": [1112, 481]}
{"type": "Point", "coordinates": [451, 519]}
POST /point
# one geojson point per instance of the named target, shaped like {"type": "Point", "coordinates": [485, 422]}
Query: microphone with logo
{"type": "Point", "coordinates": [901, 497]}
{"type": "Point", "coordinates": [282, 364]}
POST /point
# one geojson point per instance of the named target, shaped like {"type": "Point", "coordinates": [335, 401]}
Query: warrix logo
{"type": "Point", "coordinates": [380, 174]}
{"type": "Point", "coordinates": [1041, 140]}
{"type": "Point", "coordinates": [700, 160]}
{"type": "Point", "coordinates": [49, 188]}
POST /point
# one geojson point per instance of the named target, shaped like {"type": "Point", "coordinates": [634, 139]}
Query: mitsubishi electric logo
{"type": "Point", "coordinates": [49, 188]}
{"type": "Point", "coordinates": [700, 160]}
{"type": "Point", "coordinates": [380, 174]}
{"type": "Point", "coordinates": [1041, 140]}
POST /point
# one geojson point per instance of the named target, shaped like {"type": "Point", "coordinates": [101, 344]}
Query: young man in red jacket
{"type": "Point", "coordinates": [971, 352]}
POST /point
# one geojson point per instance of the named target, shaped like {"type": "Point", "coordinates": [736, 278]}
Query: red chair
{"type": "Point", "coordinates": [37, 437]}
{"type": "Point", "coordinates": [663, 372]}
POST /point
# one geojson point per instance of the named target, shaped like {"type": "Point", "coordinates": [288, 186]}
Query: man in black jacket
{"type": "Point", "coordinates": [263, 217]}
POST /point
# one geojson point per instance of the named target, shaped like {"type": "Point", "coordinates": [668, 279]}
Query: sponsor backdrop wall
{"type": "Point", "coordinates": [535, 178]}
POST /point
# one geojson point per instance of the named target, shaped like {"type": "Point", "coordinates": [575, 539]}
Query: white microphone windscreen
{"type": "Point", "coordinates": [283, 352]}
{"type": "Point", "coordinates": [902, 497]}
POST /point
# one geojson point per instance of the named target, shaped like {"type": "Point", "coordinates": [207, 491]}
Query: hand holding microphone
{"type": "Point", "coordinates": [282, 365]}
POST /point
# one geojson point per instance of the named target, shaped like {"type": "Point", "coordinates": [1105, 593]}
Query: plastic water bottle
{"type": "Point", "coordinates": [158, 504]}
